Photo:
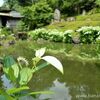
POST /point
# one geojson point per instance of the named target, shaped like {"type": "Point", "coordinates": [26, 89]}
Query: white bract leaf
{"type": "Point", "coordinates": [40, 52]}
{"type": "Point", "coordinates": [54, 61]}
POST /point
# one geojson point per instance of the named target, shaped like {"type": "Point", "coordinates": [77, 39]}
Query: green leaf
{"type": "Point", "coordinates": [15, 90]}
{"type": "Point", "coordinates": [2, 97]}
{"type": "Point", "coordinates": [40, 52]}
{"type": "Point", "coordinates": [25, 76]}
{"type": "Point", "coordinates": [40, 92]}
{"type": "Point", "coordinates": [6, 97]}
{"type": "Point", "coordinates": [8, 61]}
{"type": "Point", "coordinates": [55, 62]}
{"type": "Point", "coordinates": [40, 67]}
{"type": "Point", "coordinates": [16, 70]}
{"type": "Point", "coordinates": [10, 67]}
{"type": "Point", "coordinates": [11, 75]}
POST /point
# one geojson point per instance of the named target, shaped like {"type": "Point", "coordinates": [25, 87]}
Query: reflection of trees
{"type": "Point", "coordinates": [90, 50]}
{"type": "Point", "coordinates": [80, 50]}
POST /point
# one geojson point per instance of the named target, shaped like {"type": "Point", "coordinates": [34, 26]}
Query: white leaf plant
{"type": "Point", "coordinates": [50, 59]}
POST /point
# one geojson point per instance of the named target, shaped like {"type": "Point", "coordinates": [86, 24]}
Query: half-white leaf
{"type": "Point", "coordinates": [54, 61]}
{"type": "Point", "coordinates": [40, 52]}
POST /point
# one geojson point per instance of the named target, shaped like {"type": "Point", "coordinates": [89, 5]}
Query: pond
{"type": "Point", "coordinates": [81, 79]}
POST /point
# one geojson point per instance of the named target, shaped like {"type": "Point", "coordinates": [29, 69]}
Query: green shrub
{"type": "Point", "coordinates": [68, 36]}
{"type": "Point", "coordinates": [51, 35]}
{"type": "Point", "coordinates": [43, 33]}
{"type": "Point", "coordinates": [95, 10]}
{"type": "Point", "coordinates": [56, 36]}
{"type": "Point", "coordinates": [89, 34]}
{"type": "Point", "coordinates": [21, 26]}
{"type": "Point", "coordinates": [39, 33]}
{"type": "Point", "coordinates": [5, 31]}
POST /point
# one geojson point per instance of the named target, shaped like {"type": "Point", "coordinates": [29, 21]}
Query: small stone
{"type": "Point", "coordinates": [76, 40]}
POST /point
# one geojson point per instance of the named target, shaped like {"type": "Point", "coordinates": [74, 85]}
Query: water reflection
{"type": "Point", "coordinates": [61, 92]}
{"type": "Point", "coordinates": [6, 83]}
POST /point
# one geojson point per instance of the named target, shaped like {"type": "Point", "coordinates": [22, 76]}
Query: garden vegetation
{"type": "Point", "coordinates": [86, 34]}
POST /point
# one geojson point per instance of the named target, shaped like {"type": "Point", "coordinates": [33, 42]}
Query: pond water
{"type": "Point", "coordinates": [81, 79]}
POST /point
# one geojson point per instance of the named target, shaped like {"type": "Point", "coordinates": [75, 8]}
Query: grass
{"type": "Point", "coordinates": [92, 17]}
{"type": "Point", "coordinates": [87, 20]}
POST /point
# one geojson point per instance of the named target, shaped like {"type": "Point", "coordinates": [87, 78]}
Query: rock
{"type": "Point", "coordinates": [76, 40]}
{"type": "Point", "coordinates": [84, 12]}
{"type": "Point", "coordinates": [62, 20]}
{"type": "Point", "coordinates": [11, 42]}
{"type": "Point", "coordinates": [57, 15]}
{"type": "Point", "coordinates": [69, 19]}
{"type": "Point", "coordinates": [22, 35]}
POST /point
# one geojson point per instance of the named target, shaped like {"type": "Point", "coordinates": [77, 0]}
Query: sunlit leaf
{"type": "Point", "coordinates": [54, 61]}
{"type": "Point", "coordinates": [9, 73]}
{"type": "Point", "coordinates": [40, 52]}
{"type": "Point", "coordinates": [25, 76]}
{"type": "Point", "coordinates": [9, 63]}
{"type": "Point", "coordinates": [16, 70]}
{"type": "Point", "coordinates": [15, 90]}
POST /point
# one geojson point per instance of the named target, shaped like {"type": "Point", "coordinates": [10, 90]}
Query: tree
{"type": "Point", "coordinates": [10, 3]}
{"type": "Point", "coordinates": [55, 3]}
{"type": "Point", "coordinates": [37, 15]}
{"type": "Point", "coordinates": [97, 2]}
